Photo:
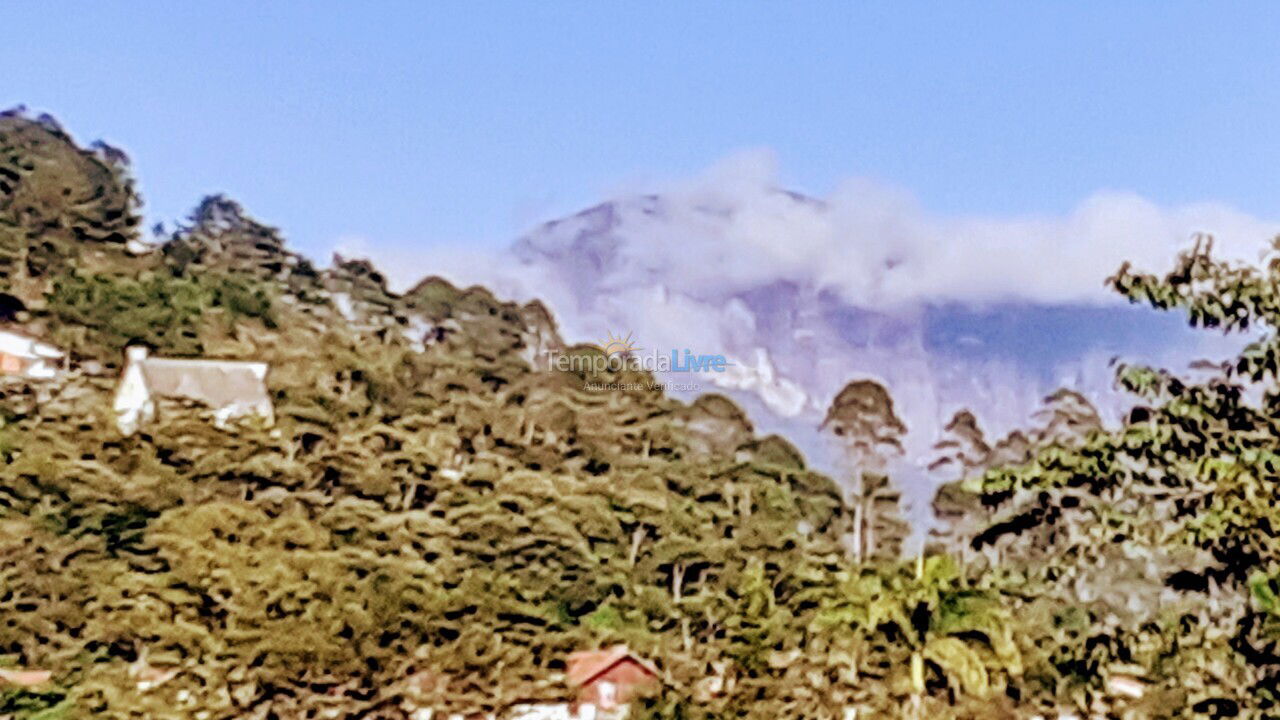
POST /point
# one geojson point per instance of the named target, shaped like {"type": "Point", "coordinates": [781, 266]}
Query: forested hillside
{"type": "Point", "coordinates": [438, 517]}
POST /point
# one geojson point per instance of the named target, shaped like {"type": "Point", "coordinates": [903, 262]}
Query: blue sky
{"type": "Point", "coordinates": [428, 124]}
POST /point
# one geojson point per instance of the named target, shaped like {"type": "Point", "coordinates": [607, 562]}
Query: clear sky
{"type": "Point", "coordinates": [428, 122]}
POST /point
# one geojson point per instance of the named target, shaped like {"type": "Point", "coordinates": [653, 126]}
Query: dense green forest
{"type": "Point", "coordinates": [438, 517]}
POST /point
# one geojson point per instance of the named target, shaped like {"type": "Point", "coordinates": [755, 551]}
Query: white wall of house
{"type": "Point", "coordinates": [133, 403]}
{"type": "Point", "coordinates": [135, 399]}
{"type": "Point", "coordinates": [543, 711]}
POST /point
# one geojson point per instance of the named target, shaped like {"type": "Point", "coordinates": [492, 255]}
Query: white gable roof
{"type": "Point", "coordinates": [216, 383]}
{"type": "Point", "coordinates": [25, 346]}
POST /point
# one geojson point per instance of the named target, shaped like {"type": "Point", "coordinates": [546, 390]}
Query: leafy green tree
{"type": "Point", "coordinates": [1163, 530]}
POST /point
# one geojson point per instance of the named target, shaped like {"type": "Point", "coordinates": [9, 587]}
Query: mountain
{"type": "Point", "coordinates": [802, 300]}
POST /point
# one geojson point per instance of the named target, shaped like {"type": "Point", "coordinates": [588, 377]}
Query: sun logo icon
{"type": "Point", "coordinates": [618, 345]}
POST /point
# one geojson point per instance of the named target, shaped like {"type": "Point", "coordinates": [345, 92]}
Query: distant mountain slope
{"type": "Point", "coordinates": [767, 279]}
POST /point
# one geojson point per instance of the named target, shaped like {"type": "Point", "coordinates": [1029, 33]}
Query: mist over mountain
{"type": "Point", "coordinates": [804, 294]}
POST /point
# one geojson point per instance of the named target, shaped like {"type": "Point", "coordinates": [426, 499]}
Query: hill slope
{"type": "Point", "coordinates": [430, 499]}
{"type": "Point", "coordinates": [440, 516]}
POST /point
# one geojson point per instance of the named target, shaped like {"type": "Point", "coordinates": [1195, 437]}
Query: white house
{"type": "Point", "coordinates": [230, 388]}
{"type": "Point", "coordinates": [25, 356]}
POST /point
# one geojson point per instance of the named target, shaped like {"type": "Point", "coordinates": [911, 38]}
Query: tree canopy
{"type": "Point", "coordinates": [439, 517]}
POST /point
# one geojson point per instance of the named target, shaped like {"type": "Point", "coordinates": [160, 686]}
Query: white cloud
{"type": "Point", "coordinates": [805, 294]}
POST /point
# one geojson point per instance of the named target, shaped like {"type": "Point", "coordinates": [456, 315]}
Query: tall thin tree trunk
{"type": "Point", "coordinates": [637, 537]}
{"type": "Point", "coordinates": [857, 532]}
{"type": "Point", "coordinates": [869, 535]}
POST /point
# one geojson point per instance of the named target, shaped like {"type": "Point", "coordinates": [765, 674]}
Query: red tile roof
{"type": "Point", "coordinates": [587, 665]}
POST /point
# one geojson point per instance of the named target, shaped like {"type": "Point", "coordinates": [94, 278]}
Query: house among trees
{"type": "Point", "coordinates": [24, 678]}
{"type": "Point", "coordinates": [610, 678]}
{"type": "Point", "coordinates": [24, 356]}
{"type": "Point", "coordinates": [606, 682]}
{"type": "Point", "coordinates": [231, 389]}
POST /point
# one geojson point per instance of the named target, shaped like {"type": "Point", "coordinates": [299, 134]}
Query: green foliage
{"type": "Point", "coordinates": [439, 518]}
{"type": "Point", "coordinates": [27, 705]}
{"type": "Point", "coordinates": [1160, 537]}
{"type": "Point", "coordinates": [98, 315]}
{"type": "Point", "coordinates": [427, 518]}
{"type": "Point", "coordinates": [60, 206]}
